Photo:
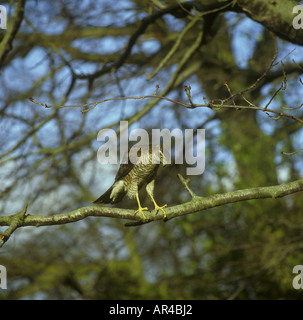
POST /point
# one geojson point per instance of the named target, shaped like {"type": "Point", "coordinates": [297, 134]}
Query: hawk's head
{"type": "Point", "coordinates": [148, 154]}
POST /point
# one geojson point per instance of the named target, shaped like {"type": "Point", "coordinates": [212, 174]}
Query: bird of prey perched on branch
{"type": "Point", "coordinates": [139, 166]}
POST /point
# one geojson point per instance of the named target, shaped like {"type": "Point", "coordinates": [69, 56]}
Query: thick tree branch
{"type": "Point", "coordinates": [196, 204]}
{"type": "Point", "coordinates": [15, 221]}
{"type": "Point", "coordinates": [277, 16]}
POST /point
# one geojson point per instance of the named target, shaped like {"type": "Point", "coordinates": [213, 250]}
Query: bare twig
{"type": "Point", "coordinates": [254, 85]}
{"type": "Point", "coordinates": [211, 104]}
{"type": "Point", "coordinates": [292, 108]}
{"type": "Point", "coordinates": [291, 153]}
{"type": "Point", "coordinates": [216, 106]}
{"type": "Point", "coordinates": [187, 91]}
{"type": "Point", "coordinates": [186, 182]}
{"type": "Point", "coordinates": [229, 91]}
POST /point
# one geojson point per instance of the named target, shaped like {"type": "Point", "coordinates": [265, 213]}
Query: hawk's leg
{"type": "Point", "coordinates": [150, 191]}
{"type": "Point", "coordinates": [140, 209]}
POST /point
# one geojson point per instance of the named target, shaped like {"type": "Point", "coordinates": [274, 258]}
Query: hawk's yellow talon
{"type": "Point", "coordinates": [141, 211]}
{"type": "Point", "coordinates": [161, 208]}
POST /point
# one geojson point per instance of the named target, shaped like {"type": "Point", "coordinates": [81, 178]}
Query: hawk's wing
{"type": "Point", "coordinates": [124, 170]}
{"type": "Point", "coordinates": [113, 194]}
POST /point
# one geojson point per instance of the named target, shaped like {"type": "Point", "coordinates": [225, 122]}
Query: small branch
{"type": "Point", "coordinates": [157, 88]}
{"type": "Point", "coordinates": [282, 87]}
{"type": "Point", "coordinates": [187, 91]}
{"type": "Point", "coordinates": [292, 108]}
{"type": "Point", "coordinates": [291, 153]}
{"type": "Point", "coordinates": [186, 182]}
{"type": "Point", "coordinates": [94, 104]}
{"type": "Point", "coordinates": [229, 91]}
{"type": "Point", "coordinates": [215, 106]}
{"type": "Point", "coordinates": [211, 104]}
{"type": "Point", "coordinates": [254, 85]}
{"type": "Point", "coordinates": [284, 83]}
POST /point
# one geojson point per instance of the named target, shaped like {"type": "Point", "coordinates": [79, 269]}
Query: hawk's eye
{"type": "Point", "coordinates": [139, 153]}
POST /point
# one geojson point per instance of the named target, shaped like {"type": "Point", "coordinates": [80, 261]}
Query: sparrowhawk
{"type": "Point", "coordinates": [140, 168]}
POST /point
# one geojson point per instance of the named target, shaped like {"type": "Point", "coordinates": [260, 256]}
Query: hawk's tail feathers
{"type": "Point", "coordinates": [105, 198]}
{"type": "Point", "coordinates": [114, 194]}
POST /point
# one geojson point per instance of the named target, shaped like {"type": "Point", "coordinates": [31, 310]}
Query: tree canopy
{"type": "Point", "coordinates": [72, 68]}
